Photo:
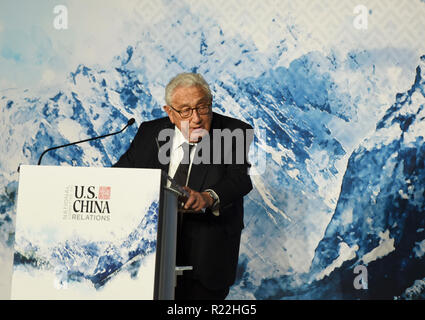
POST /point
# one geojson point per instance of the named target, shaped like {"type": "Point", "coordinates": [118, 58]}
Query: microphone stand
{"type": "Point", "coordinates": [129, 123]}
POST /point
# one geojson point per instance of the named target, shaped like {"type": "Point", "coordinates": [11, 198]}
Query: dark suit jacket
{"type": "Point", "coordinates": [211, 242]}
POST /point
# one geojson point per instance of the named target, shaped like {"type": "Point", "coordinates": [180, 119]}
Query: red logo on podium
{"type": "Point", "coordinates": [104, 193]}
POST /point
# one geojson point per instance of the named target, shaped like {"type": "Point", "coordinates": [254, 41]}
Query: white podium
{"type": "Point", "coordinates": [94, 233]}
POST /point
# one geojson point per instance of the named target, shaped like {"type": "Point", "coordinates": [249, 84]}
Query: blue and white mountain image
{"type": "Point", "coordinates": [94, 263]}
{"type": "Point", "coordinates": [325, 199]}
{"type": "Point", "coordinates": [379, 221]}
{"type": "Point", "coordinates": [380, 217]}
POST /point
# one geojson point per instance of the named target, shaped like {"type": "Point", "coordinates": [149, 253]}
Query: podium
{"type": "Point", "coordinates": [94, 233]}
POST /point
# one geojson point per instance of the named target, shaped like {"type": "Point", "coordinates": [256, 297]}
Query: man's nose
{"type": "Point", "coordinates": [195, 116]}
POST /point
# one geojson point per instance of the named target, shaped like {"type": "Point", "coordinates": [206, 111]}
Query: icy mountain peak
{"type": "Point", "coordinates": [380, 210]}
{"type": "Point", "coordinates": [408, 104]}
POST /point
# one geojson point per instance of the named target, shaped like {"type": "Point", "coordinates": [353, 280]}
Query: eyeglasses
{"type": "Point", "coordinates": [186, 112]}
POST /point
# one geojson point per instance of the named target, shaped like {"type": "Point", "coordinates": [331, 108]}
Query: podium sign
{"type": "Point", "coordinates": [86, 233]}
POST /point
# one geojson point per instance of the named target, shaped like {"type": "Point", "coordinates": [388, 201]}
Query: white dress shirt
{"type": "Point", "coordinates": [176, 156]}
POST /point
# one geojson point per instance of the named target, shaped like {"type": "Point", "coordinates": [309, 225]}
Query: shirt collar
{"type": "Point", "coordinates": [179, 139]}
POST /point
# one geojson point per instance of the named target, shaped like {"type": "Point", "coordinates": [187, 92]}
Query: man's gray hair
{"type": "Point", "coordinates": [186, 80]}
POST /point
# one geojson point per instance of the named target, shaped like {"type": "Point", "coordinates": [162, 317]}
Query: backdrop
{"type": "Point", "coordinates": [335, 90]}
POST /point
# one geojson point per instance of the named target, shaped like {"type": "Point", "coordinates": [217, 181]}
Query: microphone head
{"type": "Point", "coordinates": [130, 122]}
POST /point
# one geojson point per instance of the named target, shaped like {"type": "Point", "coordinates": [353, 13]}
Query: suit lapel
{"type": "Point", "coordinates": [197, 176]}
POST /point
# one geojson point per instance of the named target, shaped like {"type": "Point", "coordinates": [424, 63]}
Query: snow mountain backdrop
{"type": "Point", "coordinates": [335, 92]}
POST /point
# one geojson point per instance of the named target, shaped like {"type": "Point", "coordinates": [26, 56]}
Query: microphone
{"type": "Point", "coordinates": [129, 123]}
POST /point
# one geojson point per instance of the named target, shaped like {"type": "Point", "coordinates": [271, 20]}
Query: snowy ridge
{"type": "Point", "coordinates": [382, 203]}
{"type": "Point", "coordinates": [77, 259]}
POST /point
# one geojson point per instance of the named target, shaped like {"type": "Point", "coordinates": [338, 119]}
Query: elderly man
{"type": "Point", "coordinates": [211, 221]}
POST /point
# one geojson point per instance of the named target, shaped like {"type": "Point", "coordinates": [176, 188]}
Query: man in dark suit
{"type": "Point", "coordinates": [214, 172]}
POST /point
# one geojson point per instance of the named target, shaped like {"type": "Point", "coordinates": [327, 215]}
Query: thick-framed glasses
{"type": "Point", "coordinates": [186, 112]}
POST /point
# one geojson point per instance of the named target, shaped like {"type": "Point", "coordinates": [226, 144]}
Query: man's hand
{"type": "Point", "coordinates": [197, 200]}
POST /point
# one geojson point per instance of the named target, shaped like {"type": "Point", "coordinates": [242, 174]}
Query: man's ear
{"type": "Point", "coordinates": [168, 110]}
